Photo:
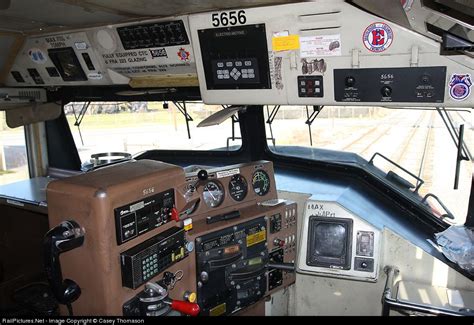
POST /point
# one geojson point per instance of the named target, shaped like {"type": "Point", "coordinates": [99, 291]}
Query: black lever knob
{"type": "Point", "coordinates": [202, 175]}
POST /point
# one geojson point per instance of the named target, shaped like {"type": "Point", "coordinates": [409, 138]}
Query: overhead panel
{"type": "Point", "coordinates": [57, 60]}
{"type": "Point", "coordinates": [322, 53]}
{"type": "Point", "coordinates": [150, 53]}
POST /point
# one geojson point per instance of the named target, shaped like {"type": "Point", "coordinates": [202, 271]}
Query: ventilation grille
{"type": "Point", "coordinates": [329, 20]}
{"type": "Point", "coordinates": [33, 94]}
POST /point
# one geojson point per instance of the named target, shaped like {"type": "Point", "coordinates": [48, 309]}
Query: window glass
{"type": "Point", "coordinates": [418, 140]}
{"type": "Point", "coordinates": [133, 127]}
{"type": "Point", "coordinates": [13, 158]}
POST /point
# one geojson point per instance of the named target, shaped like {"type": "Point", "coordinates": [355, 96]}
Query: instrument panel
{"type": "Point", "coordinates": [227, 188]}
{"type": "Point", "coordinates": [156, 256]}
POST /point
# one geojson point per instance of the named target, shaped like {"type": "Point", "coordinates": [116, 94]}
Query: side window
{"type": "Point", "coordinates": [13, 157]}
{"type": "Point", "coordinates": [418, 140]}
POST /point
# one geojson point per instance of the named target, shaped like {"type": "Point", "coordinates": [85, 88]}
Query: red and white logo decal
{"type": "Point", "coordinates": [183, 54]}
{"type": "Point", "coordinates": [378, 37]}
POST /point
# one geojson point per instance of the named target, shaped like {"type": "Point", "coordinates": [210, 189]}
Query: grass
{"type": "Point", "coordinates": [4, 172]}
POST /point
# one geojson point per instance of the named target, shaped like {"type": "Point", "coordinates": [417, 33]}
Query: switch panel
{"type": "Point", "coordinates": [235, 70]}
{"type": "Point", "coordinates": [161, 34]}
{"type": "Point", "coordinates": [275, 223]}
{"type": "Point", "coordinates": [310, 86]}
{"type": "Point", "coordinates": [409, 85]}
{"type": "Point", "coordinates": [365, 243]}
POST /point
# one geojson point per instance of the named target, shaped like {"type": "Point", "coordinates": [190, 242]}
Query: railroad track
{"type": "Point", "coordinates": [374, 134]}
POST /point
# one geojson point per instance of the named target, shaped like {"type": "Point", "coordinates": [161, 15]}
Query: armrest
{"type": "Point", "coordinates": [417, 297]}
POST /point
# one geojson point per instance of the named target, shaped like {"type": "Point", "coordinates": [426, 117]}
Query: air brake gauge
{"type": "Point", "coordinates": [238, 187]}
{"type": "Point", "coordinates": [261, 182]}
{"type": "Point", "coordinates": [213, 194]}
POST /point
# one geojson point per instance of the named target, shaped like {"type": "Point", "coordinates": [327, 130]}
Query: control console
{"type": "Point", "coordinates": [156, 241]}
{"type": "Point", "coordinates": [409, 85]}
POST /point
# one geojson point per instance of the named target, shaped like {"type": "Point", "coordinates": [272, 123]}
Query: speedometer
{"type": "Point", "coordinates": [213, 194]}
{"type": "Point", "coordinates": [261, 182]}
{"type": "Point", "coordinates": [238, 187]}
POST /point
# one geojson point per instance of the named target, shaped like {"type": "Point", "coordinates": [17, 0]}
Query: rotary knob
{"type": "Point", "coordinates": [386, 91]}
{"type": "Point", "coordinates": [204, 276]}
{"type": "Point", "coordinates": [350, 81]}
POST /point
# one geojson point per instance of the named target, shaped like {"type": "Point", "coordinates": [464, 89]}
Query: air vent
{"type": "Point", "coordinates": [33, 94]}
{"type": "Point", "coordinates": [320, 21]}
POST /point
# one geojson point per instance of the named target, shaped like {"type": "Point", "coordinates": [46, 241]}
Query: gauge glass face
{"type": "Point", "coordinates": [213, 194]}
{"type": "Point", "coordinates": [261, 182]}
{"type": "Point", "coordinates": [238, 187]}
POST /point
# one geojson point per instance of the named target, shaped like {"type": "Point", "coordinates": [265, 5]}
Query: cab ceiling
{"type": "Point", "coordinates": [37, 15]}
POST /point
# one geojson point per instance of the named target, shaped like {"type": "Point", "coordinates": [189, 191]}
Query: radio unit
{"type": "Point", "coordinates": [151, 257]}
{"type": "Point", "coordinates": [139, 217]}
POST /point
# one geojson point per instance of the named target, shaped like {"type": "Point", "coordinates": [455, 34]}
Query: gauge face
{"type": "Point", "coordinates": [238, 187]}
{"type": "Point", "coordinates": [261, 182]}
{"type": "Point", "coordinates": [213, 194]}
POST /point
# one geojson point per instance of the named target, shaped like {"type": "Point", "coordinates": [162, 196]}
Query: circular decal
{"type": "Point", "coordinates": [378, 37]}
{"type": "Point", "coordinates": [37, 56]}
{"type": "Point", "coordinates": [460, 86]}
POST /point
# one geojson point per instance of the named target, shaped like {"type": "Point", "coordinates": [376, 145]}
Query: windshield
{"type": "Point", "coordinates": [417, 140]}
{"type": "Point", "coordinates": [134, 127]}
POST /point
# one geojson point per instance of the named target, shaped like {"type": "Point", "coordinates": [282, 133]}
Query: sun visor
{"type": "Point", "coordinates": [32, 113]}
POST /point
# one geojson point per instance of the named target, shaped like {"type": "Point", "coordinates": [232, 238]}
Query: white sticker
{"type": "Point", "coordinates": [282, 33]}
{"type": "Point", "coordinates": [227, 173]}
{"type": "Point", "coordinates": [95, 76]}
{"type": "Point", "coordinates": [321, 45]}
{"type": "Point", "coordinates": [37, 56]}
{"type": "Point", "coordinates": [81, 45]}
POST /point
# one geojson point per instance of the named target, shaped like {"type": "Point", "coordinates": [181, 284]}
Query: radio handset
{"type": "Point", "coordinates": [62, 238]}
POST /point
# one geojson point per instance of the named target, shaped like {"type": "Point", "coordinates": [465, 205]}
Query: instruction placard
{"type": "Point", "coordinates": [320, 45]}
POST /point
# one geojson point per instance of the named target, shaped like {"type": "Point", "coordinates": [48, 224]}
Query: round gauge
{"type": "Point", "coordinates": [238, 187]}
{"type": "Point", "coordinates": [261, 182]}
{"type": "Point", "coordinates": [213, 194]}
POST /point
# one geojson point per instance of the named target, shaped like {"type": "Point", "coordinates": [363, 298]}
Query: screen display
{"type": "Point", "coordinates": [68, 65]}
{"type": "Point", "coordinates": [329, 242]}
{"type": "Point", "coordinates": [235, 57]}
{"type": "Point", "coordinates": [330, 239]}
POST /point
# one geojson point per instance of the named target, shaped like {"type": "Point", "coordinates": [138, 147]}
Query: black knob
{"type": "Point", "coordinates": [425, 79]}
{"type": "Point", "coordinates": [202, 175]}
{"type": "Point", "coordinates": [350, 81]}
{"type": "Point", "coordinates": [386, 91]}
{"type": "Point", "coordinates": [363, 265]}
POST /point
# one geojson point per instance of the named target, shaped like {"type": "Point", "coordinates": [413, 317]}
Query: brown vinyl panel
{"type": "Point", "coordinates": [90, 199]}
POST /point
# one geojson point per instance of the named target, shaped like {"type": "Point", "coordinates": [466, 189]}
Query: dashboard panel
{"type": "Point", "coordinates": [150, 251]}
